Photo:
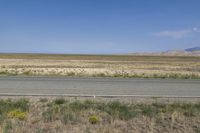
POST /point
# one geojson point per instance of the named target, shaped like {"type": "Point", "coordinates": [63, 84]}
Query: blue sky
{"type": "Point", "coordinates": [98, 26]}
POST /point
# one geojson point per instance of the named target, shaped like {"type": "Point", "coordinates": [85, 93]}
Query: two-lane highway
{"type": "Point", "coordinates": [98, 86]}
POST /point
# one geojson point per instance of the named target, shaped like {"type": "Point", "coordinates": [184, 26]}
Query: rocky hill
{"type": "Point", "coordinates": [195, 51]}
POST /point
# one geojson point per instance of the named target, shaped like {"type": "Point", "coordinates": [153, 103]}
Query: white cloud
{"type": "Point", "coordinates": [173, 34]}
{"type": "Point", "coordinates": [177, 34]}
{"type": "Point", "coordinates": [195, 29]}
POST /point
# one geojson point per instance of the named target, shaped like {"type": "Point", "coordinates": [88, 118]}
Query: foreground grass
{"type": "Point", "coordinates": [61, 115]}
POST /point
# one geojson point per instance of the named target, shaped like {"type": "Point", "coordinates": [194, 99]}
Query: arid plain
{"type": "Point", "coordinates": [101, 65]}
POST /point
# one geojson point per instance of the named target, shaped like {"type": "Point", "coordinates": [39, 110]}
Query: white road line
{"type": "Point", "coordinates": [89, 95]}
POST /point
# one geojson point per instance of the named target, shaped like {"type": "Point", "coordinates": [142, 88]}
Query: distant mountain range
{"type": "Point", "coordinates": [195, 51]}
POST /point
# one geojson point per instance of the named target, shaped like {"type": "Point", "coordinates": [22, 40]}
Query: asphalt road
{"type": "Point", "coordinates": [98, 86]}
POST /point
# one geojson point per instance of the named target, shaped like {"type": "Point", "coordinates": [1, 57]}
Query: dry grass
{"type": "Point", "coordinates": [100, 65]}
{"type": "Point", "coordinates": [72, 115]}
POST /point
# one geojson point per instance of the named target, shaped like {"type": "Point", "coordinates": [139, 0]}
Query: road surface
{"type": "Point", "coordinates": [98, 86]}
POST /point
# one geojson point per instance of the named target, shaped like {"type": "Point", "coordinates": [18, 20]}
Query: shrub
{"type": "Point", "coordinates": [101, 75]}
{"type": "Point", "coordinates": [71, 74]}
{"type": "Point", "coordinates": [8, 105]}
{"type": "Point", "coordinates": [48, 115]}
{"type": "Point", "coordinates": [68, 118]}
{"type": "Point", "coordinates": [149, 110]}
{"type": "Point", "coordinates": [28, 72]}
{"type": "Point", "coordinates": [78, 106]}
{"type": "Point", "coordinates": [127, 113]}
{"type": "Point", "coordinates": [93, 119]}
{"type": "Point", "coordinates": [3, 73]}
{"type": "Point", "coordinates": [59, 101]}
{"type": "Point", "coordinates": [43, 100]}
{"type": "Point", "coordinates": [22, 104]}
{"type": "Point", "coordinates": [18, 114]}
{"type": "Point", "coordinates": [122, 111]}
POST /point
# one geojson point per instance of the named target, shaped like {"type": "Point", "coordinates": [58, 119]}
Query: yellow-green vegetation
{"type": "Point", "coordinates": [13, 109]}
{"type": "Point", "coordinates": [127, 66]}
{"type": "Point", "coordinates": [93, 119]}
{"type": "Point", "coordinates": [18, 114]}
{"type": "Point", "coordinates": [72, 115]}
